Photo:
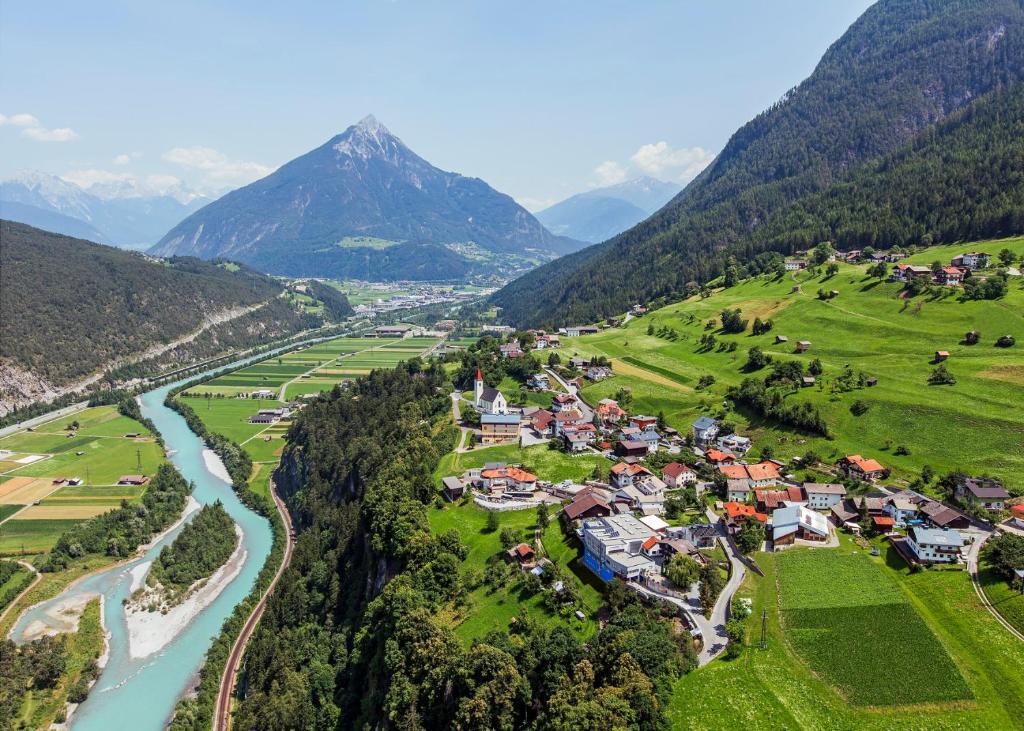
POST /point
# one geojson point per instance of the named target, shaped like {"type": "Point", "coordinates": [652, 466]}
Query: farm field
{"type": "Point", "coordinates": [99, 453]}
{"type": "Point", "coordinates": [974, 425]}
{"type": "Point", "coordinates": [775, 688]}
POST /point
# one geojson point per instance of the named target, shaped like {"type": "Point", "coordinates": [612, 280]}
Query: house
{"type": "Point", "coordinates": [718, 457]}
{"type": "Point", "coordinates": [578, 437]}
{"type": "Point", "coordinates": [797, 522]}
{"type": "Point", "coordinates": [950, 276]}
{"type": "Point", "coordinates": [609, 412]}
{"type": "Point", "coordinates": [933, 545]}
{"type": "Point", "coordinates": [734, 443]}
{"type": "Point", "coordinates": [393, 331]}
{"type": "Point", "coordinates": [598, 373]}
{"type": "Point", "coordinates": [736, 514]}
{"type": "Point", "coordinates": [907, 272]}
{"type": "Point", "coordinates": [487, 400]}
{"type": "Point", "coordinates": [857, 468]}
{"type": "Point", "coordinates": [972, 261]}
{"type": "Point", "coordinates": [762, 474]}
{"type": "Point", "coordinates": [132, 480]}
{"type": "Point", "coordinates": [768, 500]}
{"type": "Point", "coordinates": [803, 346]}
{"type": "Point", "coordinates": [940, 355]}
{"type": "Point", "coordinates": [511, 349]}
{"type": "Point", "coordinates": [943, 516]}
{"type": "Point", "coordinates": [576, 331]}
{"type": "Point", "coordinates": [669, 547]}
{"type": "Point", "coordinates": [794, 265]}
{"type": "Point", "coordinates": [614, 547]}
{"type": "Point", "coordinates": [900, 509]}
{"type": "Point", "coordinates": [264, 417]}
{"type": "Point", "coordinates": [563, 402]}
{"type": "Point", "coordinates": [643, 423]}
{"type": "Point", "coordinates": [738, 490]}
{"type": "Point", "coordinates": [263, 393]}
{"type": "Point", "coordinates": [629, 474]}
{"type": "Point", "coordinates": [539, 382]}
{"type": "Point", "coordinates": [586, 506]}
{"type": "Point", "coordinates": [498, 428]}
{"type": "Point", "coordinates": [522, 554]}
{"type": "Point", "coordinates": [508, 477]}
{"type": "Point", "coordinates": [806, 381]}
{"type": "Point", "coordinates": [542, 422]}
{"type": "Point", "coordinates": [453, 488]}
{"type": "Point", "coordinates": [983, 492]}
{"type": "Point", "coordinates": [563, 419]}
{"type": "Point", "coordinates": [677, 475]}
{"type": "Point", "coordinates": [822, 496]}
{"type": "Point", "coordinates": [655, 523]}
{"type": "Point", "coordinates": [705, 429]}
{"type": "Point", "coordinates": [702, 535]}
{"type": "Point", "coordinates": [632, 448]}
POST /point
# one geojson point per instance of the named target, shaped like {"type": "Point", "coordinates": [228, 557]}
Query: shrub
{"type": "Point", "coordinates": [859, 408]}
{"type": "Point", "coordinates": [1006, 341]}
{"type": "Point", "coordinates": [941, 377]}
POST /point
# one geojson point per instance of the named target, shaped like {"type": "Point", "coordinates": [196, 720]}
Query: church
{"type": "Point", "coordinates": [487, 400]}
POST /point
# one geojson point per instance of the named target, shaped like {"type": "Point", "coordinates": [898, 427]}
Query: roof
{"type": "Point", "coordinates": [650, 542]}
{"type": "Point", "coordinates": [883, 521]}
{"type": "Point", "coordinates": [940, 514]}
{"type": "Point", "coordinates": [717, 455]}
{"type": "Point", "coordinates": [489, 394]}
{"type": "Point", "coordinates": [763, 471]}
{"type": "Point", "coordinates": [776, 498]}
{"type": "Point", "coordinates": [937, 537]}
{"type": "Point", "coordinates": [741, 510]}
{"type": "Point", "coordinates": [982, 488]}
{"type": "Point", "coordinates": [824, 488]}
{"type": "Point", "coordinates": [564, 398]}
{"type": "Point", "coordinates": [633, 444]}
{"type": "Point", "coordinates": [524, 550]}
{"type": "Point", "coordinates": [704, 423]}
{"type": "Point", "coordinates": [1017, 510]}
{"type": "Point", "coordinates": [737, 486]}
{"type": "Point", "coordinates": [630, 469]}
{"type": "Point", "coordinates": [674, 469]}
{"type": "Point", "coordinates": [542, 417]}
{"type": "Point", "coordinates": [570, 415]}
{"type": "Point", "coordinates": [865, 465]}
{"type": "Point", "coordinates": [654, 522]}
{"type": "Point", "coordinates": [734, 471]}
{"type": "Point", "coordinates": [787, 520]}
{"type": "Point", "coordinates": [452, 483]}
{"type": "Point", "coordinates": [499, 418]}
{"type": "Point", "coordinates": [582, 504]}
{"type": "Point", "coordinates": [512, 473]}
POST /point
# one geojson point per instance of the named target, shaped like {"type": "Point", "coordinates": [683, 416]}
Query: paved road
{"type": "Point", "coordinates": [972, 567]}
{"type": "Point", "coordinates": [222, 718]}
{"type": "Point", "coordinates": [49, 416]}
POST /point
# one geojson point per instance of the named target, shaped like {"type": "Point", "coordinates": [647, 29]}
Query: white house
{"type": "Point", "coordinates": [822, 496]}
{"type": "Point", "coordinates": [972, 260]}
{"type": "Point", "coordinates": [734, 443]}
{"type": "Point", "coordinates": [487, 400]}
{"type": "Point", "coordinates": [705, 429]}
{"type": "Point", "coordinates": [677, 475]}
{"type": "Point", "coordinates": [900, 509]}
{"type": "Point", "coordinates": [796, 521]}
{"type": "Point", "coordinates": [738, 491]}
{"type": "Point", "coordinates": [934, 545]}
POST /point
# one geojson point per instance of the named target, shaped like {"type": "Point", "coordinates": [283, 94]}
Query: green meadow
{"type": "Point", "coordinates": [974, 425]}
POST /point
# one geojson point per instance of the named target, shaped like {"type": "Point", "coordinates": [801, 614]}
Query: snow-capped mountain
{"type": "Point", "coordinates": [599, 214]}
{"type": "Point", "coordinates": [123, 213]}
{"type": "Point", "coordinates": [364, 205]}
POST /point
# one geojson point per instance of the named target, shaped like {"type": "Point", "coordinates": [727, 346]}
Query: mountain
{"type": "Point", "coordinates": [883, 88]}
{"type": "Point", "coordinates": [122, 213]}
{"type": "Point", "coordinates": [364, 205]}
{"type": "Point", "coordinates": [72, 309]}
{"type": "Point", "coordinates": [599, 214]}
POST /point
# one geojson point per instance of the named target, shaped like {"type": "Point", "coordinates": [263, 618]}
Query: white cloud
{"type": "Point", "coordinates": [122, 159]}
{"type": "Point", "coordinates": [660, 159]}
{"type": "Point", "coordinates": [33, 129]}
{"type": "Point", "coordinates": [610, 173]}
{"type": "Point", "coordinates": [218, 169]}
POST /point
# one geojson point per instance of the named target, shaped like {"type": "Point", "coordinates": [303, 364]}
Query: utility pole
{"type": "Point", "coordinates": [764, 629]}
{"type": "Point", "coordinates": [138, 460]}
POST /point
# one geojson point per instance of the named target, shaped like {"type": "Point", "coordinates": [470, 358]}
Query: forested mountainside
{"type": "Point", "coordinates": [364, 205]}
{"type": "Point", "coordinates": [71, 308]}
{"type": "Point", "coordinates": [354, 636]}
{"type": "Point", "coordinates": [876, 96]}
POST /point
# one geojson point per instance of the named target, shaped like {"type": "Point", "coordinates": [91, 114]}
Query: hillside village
{"type": "Point", "coordinates": [670, 499]}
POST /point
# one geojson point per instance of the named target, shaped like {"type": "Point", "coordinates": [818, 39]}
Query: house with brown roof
{"type": "Point", "coordinates": [982, 492]}
{"type": "Point", "coordinates": [769, 500]}
{"type": "Point", "coordinates": [453, 488]}
{"type": "Point", "coordinates": [858, 468]}
{"type": "Point", "coordinates": [677, 475]}
{"type": "Point", "coordinates": [632, 448]}
{"type": "Point", "coordinates": [542, 422]}
{"type": "Point", "coordinates": [563, 402]}
{"type": "Point", "coordinates": [943, 516]}
{"type": "Point", "coordinates": [822, 496]}
{"type": "Point", "coordinates": [587, 505]}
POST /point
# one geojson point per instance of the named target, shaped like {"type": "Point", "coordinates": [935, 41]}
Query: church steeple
{"type": "Point", "coordinates": [478, 387]}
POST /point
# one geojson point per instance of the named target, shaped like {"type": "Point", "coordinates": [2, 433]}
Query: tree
{"type": "Point", "coordinates": [705, 381]}
{"type": "Point", "coordinates": [624, 397]}
{"type": "Point", "coordinates": [662, 423]}
{"type": "Point", "coordinates": [822, 252]}
{"type": "Point", "coordinates": [815, 368]}
{"type": "Point", "coordinates": [879, 270]}
{"type": "Point", "coordinates": [650, 329]}
{"type": "Point", "coordinates": [756, 359]}
{"type": "Point", "coordinates": [751, 536]}
{"type": "Point", "coordinates": [1006, 257]}
{"type": "Point", "coordinates": [736, 630]}
{"type": "Point", "coordinates": [832, 269]}
{"type": "Point", "coordinates": [859, 408]}
{"type": "Point", "coordinates": [1005, 341]}
{"type": "Point", "coordinates": [509, 537]}
{"type": "Point", "coordinates": [493, 522]}
{"type": "Point", "coordinates": [941, 377]}
{"type": "Point", "coordinates": [554, 359]}
{"type": "Point", "coordinates": [927, 474]}
{"type": "Point", "coordinates": [1005, 553]}
{"type": "Point", "coordinates": [682, 570]}
{"type": "Point", "coordinates": [542, 516]}
{"type": "Point", "coordinates": [711, 585]}
{"type": "Point", "coordinates": [732, 321]}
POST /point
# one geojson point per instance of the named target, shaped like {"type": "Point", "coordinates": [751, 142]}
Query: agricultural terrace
{"type": "Point", "coordinates": [799, 681]}
{"type": "Point", "coordinates": [974, 425]}
{"type": "Point", "coordinates": [35, 507]}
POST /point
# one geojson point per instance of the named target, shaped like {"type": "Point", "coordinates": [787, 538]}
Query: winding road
{"type": "Point", "coordinates": [222, 717]}
{"type": "Point", "coordinates": [972, 568]}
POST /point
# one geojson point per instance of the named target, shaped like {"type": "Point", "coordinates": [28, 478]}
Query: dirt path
{"type": "Point", "coordinates": [26, 590]}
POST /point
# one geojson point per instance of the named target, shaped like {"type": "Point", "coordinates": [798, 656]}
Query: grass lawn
{"type": "Point", "coordinates": [547, 464]}
{"type": "Point", "coordinates": [1008, 602]}
{"type": "Point", "coordinates": [965, 426]}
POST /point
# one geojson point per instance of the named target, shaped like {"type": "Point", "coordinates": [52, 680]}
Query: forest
{"type": "Point", "coordinates": [907, 132]}
{"type": "Point", "coordinates": [203, 546]}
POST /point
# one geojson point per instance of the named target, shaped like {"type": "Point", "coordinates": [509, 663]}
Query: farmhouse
{"type": "Point", "coordinates": [983, 492]}
{"type": "Point", "coordinates": [762, 474]}
{"type": "Point", "coordinates": [900, 509]}
{"type": "Point", "coordinates": [791, 523]}
{"type": "Point", "coordinates": [511, 349]}
{"type": "Point", "coordinates": [857, 468]}
{"type": "Point", "coordinates": [614, 547]}
{"type": "Point", "coordinates": [588, 505]}
{"type": "Point", "coordinates": [950, 276]}
{"type": "Point", "coordinates": [906, 272]}
{"type": "Point", "coordinates": [943, 516]}
{"type": "Point", "coordinates": [598, 373]}
{"type": "Point", "coordinates": [677, 475]}
{"type": "Point", "coordinates": [498, 428]}
{"type": "Point", "coordinates": [822, 496]}
{"type": "Point", "coordinates": [631, 448]}
{"type": "Point", "coordinates": [932, 545]}
{"type": "Point", "coordinates": [769, 500]}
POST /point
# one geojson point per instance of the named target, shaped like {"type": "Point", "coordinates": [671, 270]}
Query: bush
{"type": "Point", "coordinates": [859, 408]}
{"type": "Point", "coordinates": [941, 377]}
{"type": "Point", "coordinates": [1006, 341]}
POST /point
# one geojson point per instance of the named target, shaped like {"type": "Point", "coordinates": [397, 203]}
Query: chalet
{"type": "Point", "coordinates": [795, 265]}
{"type": "Point", "coordinates": [586, 506]}
{"type": "Point", "coordinates": [498, 428]}
{"type": "Point", "coordinates": [857, 468]}
{"type": "Point", "coordinates": [768, 500]}
{"type": "Point", "coordinates": [632, 448]}
{"type": "Point", "coordinates": [638, 310]}
{"type": "Point", "coordinates": [629, 474]}
{"type": "Point", "coordinates": [562, 419]}
{"type": "Point", "coordinates": [677, 475]}
{"type": "Point", "coordinates": [453, 488]}
{"type": "Point", "coordinates": [900, 509]}
{"type": "Point", "coordinates": [803, 346]}
{"type": "Point", "coordinates": [907, 272]}
{"type": "Point", "coordinates": [797, 522]}
{"type": "Point", "coordinates": [943, 516]}
{"type": "Point", "coordinates": [132, 480]}
{"type": "Point", "coordinates": [563, 402]}
{"type": "Point", "coordinates": [542, 422]}
{"type": "Point", "coordinates": [507, 477]}
{"type": "Point", "coordinates": [598, 373]}
{"type": "Point", "coordinates": [983, 492]}
{"type": "Point", "coordinates": [614, 547]}
{"type": "Point", "coordinates": [950, 276]}
{"type": "Point", "coordinates": [736, 514]}
{"type": "Point", "coordinates": [822, 496]}
{"type": "Point", "coordinates": [973, 260]}
{"type": "Point", "coordinates": [932, 545]}
{"type": "Point", "coordinates": [705, 429]}
{"type": "Point", "coordinates": [734, 443]}
{"type": "Point", "coordinates": [738, 490]}
{"type": "Point", "coordinates": [718, 457]}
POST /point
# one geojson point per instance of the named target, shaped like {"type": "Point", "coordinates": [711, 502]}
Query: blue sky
{"type": "Point", "coordinates": [540, 99]}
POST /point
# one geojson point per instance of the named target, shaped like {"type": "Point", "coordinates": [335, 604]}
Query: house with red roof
{"type": "Point", "coordinates": [563, 402]}
{"type": "Point", "coordinates": [718, 457]}
{"type": "Point", "coordinates": [858, 468]}
{"type": "Point", "coordinates": [511, 478]}
{"type": "Point", "coordinates": [678, 475]}
{"type": "Point", "coordinates": [769, 500]}
{"type": "Point", "coordinates": [950, 276]}
{"type": "Point", "coordinates": [736, 514]}
{"type": "Point", "coordinates": [624, 474]}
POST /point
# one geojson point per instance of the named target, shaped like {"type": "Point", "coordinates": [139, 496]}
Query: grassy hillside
{"type": "Point", "coordinates": [974, 425]}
